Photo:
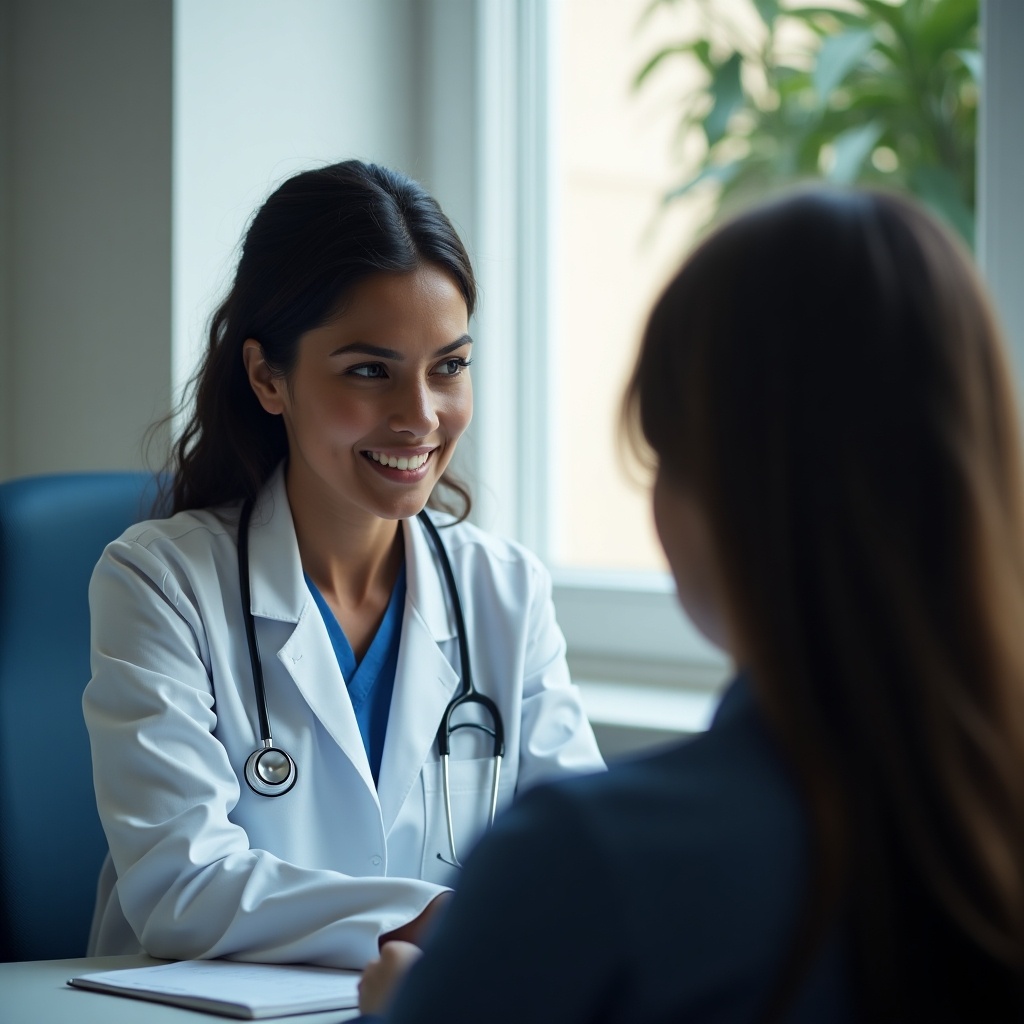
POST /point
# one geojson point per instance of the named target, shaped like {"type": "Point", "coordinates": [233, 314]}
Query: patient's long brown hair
{"type": "Point", "coordinates": [825, 375]}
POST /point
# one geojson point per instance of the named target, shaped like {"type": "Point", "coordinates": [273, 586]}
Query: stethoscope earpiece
{"type": "Point", "coordinates": [270, 771]}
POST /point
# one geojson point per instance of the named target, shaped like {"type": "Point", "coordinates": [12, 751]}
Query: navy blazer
{"type": "Point", "coordinates": [665, 890]}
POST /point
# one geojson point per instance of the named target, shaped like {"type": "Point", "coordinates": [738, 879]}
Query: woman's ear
{"type": "Point", "coordinates": [268, 386]}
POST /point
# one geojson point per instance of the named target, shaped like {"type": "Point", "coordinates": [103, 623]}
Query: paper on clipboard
{"type": "Point", "coordinates": [243, 990]}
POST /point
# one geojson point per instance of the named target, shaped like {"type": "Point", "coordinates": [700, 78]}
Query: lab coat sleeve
{"type": "Point", "coordinates": [188, 883]}
{"type": "Point", "coordinates": [556, 737]}
{"type": "Point", "coordinates": [533, 932]}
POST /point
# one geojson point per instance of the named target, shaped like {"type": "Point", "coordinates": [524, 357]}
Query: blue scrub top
{"type": "Point", "coordinates": [371, 681]}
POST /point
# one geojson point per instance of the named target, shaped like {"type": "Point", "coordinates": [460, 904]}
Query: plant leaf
{"type": "Point", "coordinates": [662, 54]}
{"type": "Point", "coordinates": [838, 56]}
{"type": "Point", "coordinates": [722, 173]}
{"type": "Point", "coordinates": [852, 148]}
{"type": "Point", "coordinates": [727, 93]}
{"type": "Point", "coordinates": [973, 62]}
{"type": "Point", "coordinates": [888, 12]}
{"type": "Point", "coordinates": [939, 189]}
{"type": "Point", "coordinates": [811, 15]}
{"type": "Point", "coordinates": [946, 25]}
{"type": "Point", "coordinates": [768, 9]}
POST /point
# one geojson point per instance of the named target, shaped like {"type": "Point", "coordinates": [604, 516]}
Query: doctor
{"type": "Point", "coordinates": [316, 822]}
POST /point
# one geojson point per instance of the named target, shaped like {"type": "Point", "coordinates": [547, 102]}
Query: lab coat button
{"type": "Point", "coordinates": [375, 860]}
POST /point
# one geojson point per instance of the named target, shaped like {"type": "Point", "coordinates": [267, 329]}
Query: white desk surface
{"type": "Point", "coordinates": [36, 992]}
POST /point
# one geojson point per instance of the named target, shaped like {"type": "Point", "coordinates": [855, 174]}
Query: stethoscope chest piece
{"type": "Point", "coordinates": [270, 771]}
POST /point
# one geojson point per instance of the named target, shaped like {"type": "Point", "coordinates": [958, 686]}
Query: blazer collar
{"type": "Point", "coordinates": [427, 591]}
{"type": "Point", "coordinates": [278, 591]}
{"type": "Point", "coordinates": [278, 588]}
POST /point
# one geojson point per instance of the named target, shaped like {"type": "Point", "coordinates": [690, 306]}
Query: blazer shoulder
{"type": "Point", "coordinates": [214, 524]}
{"type": "Point", "coordinates": [186, 545]}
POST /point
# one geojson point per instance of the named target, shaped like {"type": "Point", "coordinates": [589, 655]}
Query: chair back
{"type": "Point", "coordinates": [52, 532]}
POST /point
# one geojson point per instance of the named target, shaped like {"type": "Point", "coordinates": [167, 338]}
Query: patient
{"type": "Point", "coordinates": [838, 492]}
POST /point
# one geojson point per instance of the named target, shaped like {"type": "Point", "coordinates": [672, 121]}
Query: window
{"type": "Point", "coordinates": [616, 603]}
{"type": "Point", "coordinates": [547, 448]}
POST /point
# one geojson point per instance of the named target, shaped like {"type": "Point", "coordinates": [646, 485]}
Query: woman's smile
{"type": "Point", "coordinates": [408, 467]}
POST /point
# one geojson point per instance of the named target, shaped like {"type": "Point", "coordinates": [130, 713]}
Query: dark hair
{"type": "Point", "coordinates": [825, 375]}
{"type": "Point", "coordinates": [318, 235]}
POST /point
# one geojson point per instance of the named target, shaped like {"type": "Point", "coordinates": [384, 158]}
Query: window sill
{"type": "Point", "coordinates": [652, 708]}
{"type": "Point", "coordinates": [647, 677]}
{"type": "Point", "coordinates": [628, 616]}
{"type": "Point", "coordinates": [635, 717]}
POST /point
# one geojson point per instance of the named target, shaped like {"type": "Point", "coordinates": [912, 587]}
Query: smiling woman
{"type": "Point", "coordinates": [332, 397]}
{"type": "Point", "coordinates": [383, 383]}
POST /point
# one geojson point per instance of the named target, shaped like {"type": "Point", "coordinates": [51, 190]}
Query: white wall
{"type": "Point", "coordinates": [263, 89]}
{"type": "Point", "coordinates": [136, 138]}
{"type": "Point", "coordinates": [86, 253]}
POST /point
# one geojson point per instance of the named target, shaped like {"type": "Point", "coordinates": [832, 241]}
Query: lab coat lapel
{"type": "Point", "coordinates": [279, 592]}
{"type": "Point", "coordinates": [424, 681]}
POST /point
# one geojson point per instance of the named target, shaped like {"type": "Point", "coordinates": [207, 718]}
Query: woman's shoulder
{"type": "Point", "coordinates": [726, 780]}
{"type": "Point", "coordinates": [720, 803]}
{"type": "Point", "coordinates": [182, 544]}
{"type": "Point", "coordinates": [712, 820]}
{"type": "Point", "coordinates": [209, 525]}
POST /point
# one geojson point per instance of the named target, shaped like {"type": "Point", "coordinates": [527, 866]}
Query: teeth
{"type": "Point", "coordinates": [393, 462]}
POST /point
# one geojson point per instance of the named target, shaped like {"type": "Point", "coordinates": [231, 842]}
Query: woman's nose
{"type": "Point", "coordinates": [415, 411]}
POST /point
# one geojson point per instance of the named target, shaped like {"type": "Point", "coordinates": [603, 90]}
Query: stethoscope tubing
{"type": "Point", "coordinates": [469, 695]}
{"type": "Point", "coordinates": [271, 771]}
{"type": "Point", "coordinates": [250, 623]}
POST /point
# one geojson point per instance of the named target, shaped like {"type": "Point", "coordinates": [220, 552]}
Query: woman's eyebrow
{"type": "Point", "coordinates": [366, 349]}
{"type": "Point", "coordinates": [458, 343]}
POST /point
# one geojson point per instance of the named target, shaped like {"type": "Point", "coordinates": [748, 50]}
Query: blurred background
{"type": "Point", "coordinates": [580, 146]}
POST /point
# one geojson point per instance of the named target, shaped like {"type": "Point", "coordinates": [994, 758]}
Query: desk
{"type": "Point", "coordinates": [36, 992]}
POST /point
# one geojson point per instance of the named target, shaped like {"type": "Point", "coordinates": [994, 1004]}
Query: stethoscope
{"type": "Point", "coordinates": [271, 771]}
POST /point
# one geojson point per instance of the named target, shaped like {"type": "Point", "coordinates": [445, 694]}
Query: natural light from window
{"type": "Point", "coordinates": [617, 245]}
{"type": "Point", "coordinates": [751, 95]}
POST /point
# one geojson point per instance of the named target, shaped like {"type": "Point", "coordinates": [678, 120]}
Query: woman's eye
{"type": "Point", "coordinates": [373, 371]}
{"type": "Point", "coordinates": [451, 367]}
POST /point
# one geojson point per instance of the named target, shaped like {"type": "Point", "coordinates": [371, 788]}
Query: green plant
{"type": "Point", "coordinates": [878, 92]}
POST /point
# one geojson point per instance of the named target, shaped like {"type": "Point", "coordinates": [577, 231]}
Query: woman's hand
{"type": "Point", "coordinates": [415, 930]}
{"type": "Point", "coordinates": [399, 950]}
{"type": "Point", "coordinates": [382, 977]}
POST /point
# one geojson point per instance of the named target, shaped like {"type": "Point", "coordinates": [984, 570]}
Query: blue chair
{"type": "Point", "coordinates": [52, 532]}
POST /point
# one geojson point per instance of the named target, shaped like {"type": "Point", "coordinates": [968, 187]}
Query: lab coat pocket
{"type": "Point", "coordinates": [469, 782]}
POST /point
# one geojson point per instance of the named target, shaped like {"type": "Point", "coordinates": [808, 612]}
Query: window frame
{"type": "Point", "coordinates": [620, 627]}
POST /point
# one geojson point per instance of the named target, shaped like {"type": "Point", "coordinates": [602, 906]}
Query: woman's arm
{"type": "Point", "coordinates": [382, 977]}
{"type": "Point", "coordinates": [189, 885]}
{"type": "Point", "coordinates": [531, 933]}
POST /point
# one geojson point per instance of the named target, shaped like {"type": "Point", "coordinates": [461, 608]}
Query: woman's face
{"type": "Point", "coordinates": [378, 398]}
{"type": "Point", "coordinates": [686, 539]}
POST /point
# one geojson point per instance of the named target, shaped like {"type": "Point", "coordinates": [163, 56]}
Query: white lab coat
{"type": "Point", "coordinates": [201, 866]}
